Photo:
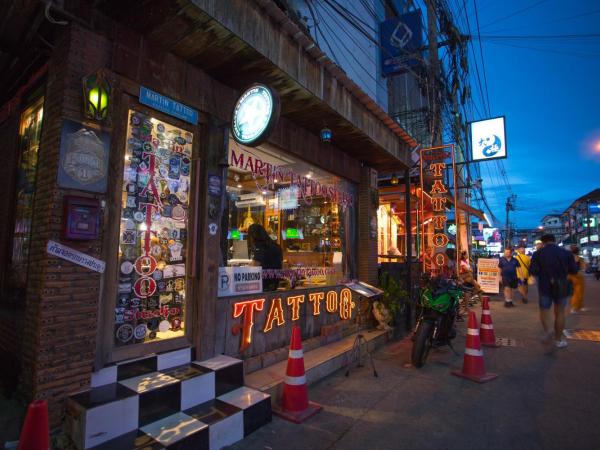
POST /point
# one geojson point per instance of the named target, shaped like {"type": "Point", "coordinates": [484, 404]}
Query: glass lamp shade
{"type": "Point", "coordinates": [96, 96]}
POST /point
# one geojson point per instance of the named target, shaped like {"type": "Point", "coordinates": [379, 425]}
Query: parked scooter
{"type": "Point", "coordinates": [439, 303]}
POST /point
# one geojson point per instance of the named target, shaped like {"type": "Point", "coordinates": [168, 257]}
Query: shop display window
{"type": "Point", "coordinates": [291, 220]}
{"type": "Point", "coordinates": [153, 231]}
{"type": "Point", "coordinates": [30, 131]}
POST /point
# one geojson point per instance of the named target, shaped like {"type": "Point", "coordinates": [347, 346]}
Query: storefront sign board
{"type": "Point", "coordinates": [168, 105]}
{"type": "Point", "coordinates": [439, 259]}
{"type": "Point", "coordinates": [74, 256]}
{"type": "Point", "coordinates": [288, 307]}
{"type": "Point", "coordinates": [240, 280]}
{"type": "Point", "coordinates": [488, 275]}
{"type": "Point", "coordinates": [488, 139]}
{"type": "Point", "coordinates": [83, 158]}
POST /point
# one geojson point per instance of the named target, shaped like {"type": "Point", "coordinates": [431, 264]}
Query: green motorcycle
{"type": "Point", "coordinates": [439, 302]}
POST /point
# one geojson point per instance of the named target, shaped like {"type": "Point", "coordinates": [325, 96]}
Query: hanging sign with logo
{"type": "Point", "coordinates": [436, 164]}
{"type": "Point", "coordinates": [83, 158]}
{"type": "Point", "coordinates": [255, 115]}
{"type": "Point", "coordinates": [401, 41]}
{"type": "Point", "coordinates": [488, 139]}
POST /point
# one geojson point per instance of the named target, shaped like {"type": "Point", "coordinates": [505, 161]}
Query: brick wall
{"type": "Point", "coordinates": [367, 242]}
{"type": "Point", "coordinates": [62, 298]}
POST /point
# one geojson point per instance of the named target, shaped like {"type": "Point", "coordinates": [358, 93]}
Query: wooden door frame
{"type": "Point", "coordinates": [106, 351]}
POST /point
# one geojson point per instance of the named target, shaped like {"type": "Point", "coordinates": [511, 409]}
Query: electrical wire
{"type": "Point", "coordinates": [515, 13]}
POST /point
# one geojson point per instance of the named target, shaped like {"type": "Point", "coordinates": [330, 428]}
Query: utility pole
{"type": "Point", "coordinates": [589, 225]}
{"type": "Point", "coordinates": [510, 206]}
{"type": "Point", "coordinates": [434, 70]}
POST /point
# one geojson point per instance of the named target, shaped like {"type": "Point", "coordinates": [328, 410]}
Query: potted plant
{"type": "Point", "coordinates": [391, 302]}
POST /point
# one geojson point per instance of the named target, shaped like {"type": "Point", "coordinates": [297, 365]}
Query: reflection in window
{"type": "Point", "coordinates": [295, 221]}
{"type": "Point", "coordinates": [30, 131]}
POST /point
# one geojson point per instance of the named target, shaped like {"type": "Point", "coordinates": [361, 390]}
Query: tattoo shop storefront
{"type": "Point", "coordinates": [182, 206]}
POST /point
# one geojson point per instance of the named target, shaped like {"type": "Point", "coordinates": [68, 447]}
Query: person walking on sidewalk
{"type": "Point", "coordinates": [523, 272]}
{"type": "Point", "coordinates": [508, 268]}
{"type": "Point", "coordinates": [551, 264]}
{"type": "Point", "coordinates": [578, 282]}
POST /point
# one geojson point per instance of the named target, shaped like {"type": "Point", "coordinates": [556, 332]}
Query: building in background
{"type": "Point", "coordinates": [582, 224]}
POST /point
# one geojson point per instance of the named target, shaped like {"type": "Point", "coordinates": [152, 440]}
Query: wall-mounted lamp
{"type": "Point", "coordinates": [394, 180]}
{"type": "Point", "coordinates": [96, 95]}
{"type": "Point", "coordinates": [326, 135]}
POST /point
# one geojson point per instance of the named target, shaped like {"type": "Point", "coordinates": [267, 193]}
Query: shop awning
{"type": "Point", "coordinates": [470, 210]}
{"type": "Point", "coordinates": [240, 43]}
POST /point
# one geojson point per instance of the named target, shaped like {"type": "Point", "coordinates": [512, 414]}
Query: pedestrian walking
{"type": "Point", "coordinates": [508, 269]}
{"type": "Point", "coordinates": [578, 282]}
{"type": "Point", "coordinates": [551, 264]}
{"type": "Point", "coordinates": [523, 272]}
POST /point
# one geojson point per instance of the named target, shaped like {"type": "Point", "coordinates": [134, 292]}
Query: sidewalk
{"type": "Point", "coordinates": [538, 402]}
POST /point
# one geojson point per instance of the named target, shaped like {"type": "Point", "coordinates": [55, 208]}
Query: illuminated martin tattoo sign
{"type": "Point", "coordinates": [488, 139]}
{"type": "Point", "coordinates": [255, 114]}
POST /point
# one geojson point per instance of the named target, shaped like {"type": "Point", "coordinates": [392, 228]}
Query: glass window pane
{"type": "Point", "coordinates": [30, 131]}
{"type": "Point", "coordinates": [292, 220]}
{"type": "Point", "coordinates": [153, 231]}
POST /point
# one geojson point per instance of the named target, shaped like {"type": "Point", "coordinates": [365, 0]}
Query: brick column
{"type": "Point", "coordinates": [62, 298]}
{"type": "Point", "coordinates": [368, 201]}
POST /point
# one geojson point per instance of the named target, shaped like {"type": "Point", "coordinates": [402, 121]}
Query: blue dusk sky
{"type": "Point", "coordinates": [549, 91]}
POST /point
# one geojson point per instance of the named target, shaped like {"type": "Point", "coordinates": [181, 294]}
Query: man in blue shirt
{"type": "Point", "coordinates": [508, 269]}
{"type": "Point", "coordinates": [551, 264]}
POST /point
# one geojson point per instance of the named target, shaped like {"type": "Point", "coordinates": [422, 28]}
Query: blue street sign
{"type": "Point", "coordinates": [168, 105]}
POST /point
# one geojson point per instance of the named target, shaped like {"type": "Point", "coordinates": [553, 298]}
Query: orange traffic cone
{"type": "Point", "coordinates": [473, 367]}
{"type": "Point", "coordinates": [35, 434]}
{"type": "Point", "coordinates": [486, 329]}
{"type": "Point", "coordinates": [295, 405]}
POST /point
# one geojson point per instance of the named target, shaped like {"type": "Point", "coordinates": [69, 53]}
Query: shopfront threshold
{"type": "Point", "coordinates": [319, 361]}
{"type": "Point", "coordinates": [169, 400]}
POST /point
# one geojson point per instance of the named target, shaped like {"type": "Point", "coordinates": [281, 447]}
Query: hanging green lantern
{"type": "Point", "coordinates": [96, 95]}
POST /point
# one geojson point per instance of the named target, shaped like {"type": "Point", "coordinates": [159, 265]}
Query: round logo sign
{"type": "Point", "coordinates": [144, 287]}
{"type": "Point", "coordinates": [124, 333]}
{"type": "Point", "coordinates": [145, 265]}
{"type": "Point", "coordinates": [254, 115]}
{"type": "Point", "coordinates": [140, 331]}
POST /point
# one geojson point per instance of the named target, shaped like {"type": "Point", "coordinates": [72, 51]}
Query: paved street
{"type": "Point", "coordinates": [538, 402]}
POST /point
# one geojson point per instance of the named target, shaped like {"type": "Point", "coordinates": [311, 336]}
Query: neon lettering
{"type": "Point", "coordinates": [275, 315]}
{"type": "Point", "coordinates": [294, 302]}
{"type": "Point", "coordinates": [316, 298]}
{"type": "Point", "coordinates": [247, 308]}
{"type": "Point", "coordinates": [438, 187]}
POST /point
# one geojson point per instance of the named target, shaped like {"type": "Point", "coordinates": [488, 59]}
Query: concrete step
{"type": "Point", "coordinates": [318, 363]}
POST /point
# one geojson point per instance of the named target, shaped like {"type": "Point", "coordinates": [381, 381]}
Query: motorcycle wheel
{"type": "Point", "coordinates": [422, 344]}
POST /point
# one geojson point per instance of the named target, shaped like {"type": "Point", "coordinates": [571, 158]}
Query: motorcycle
{"type": "Point", "coordinates": [439, 304]}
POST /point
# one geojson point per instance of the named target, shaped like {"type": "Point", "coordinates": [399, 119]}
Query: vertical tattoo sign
{"type": "Point", "coordinates": [437, 170]}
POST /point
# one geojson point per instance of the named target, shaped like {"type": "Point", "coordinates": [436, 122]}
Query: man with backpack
{"type": "Point", "coordinates": [551, 264]}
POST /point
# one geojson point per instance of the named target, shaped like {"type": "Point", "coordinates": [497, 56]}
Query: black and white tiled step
{"type": "Point", "coordinates": [167, 401]}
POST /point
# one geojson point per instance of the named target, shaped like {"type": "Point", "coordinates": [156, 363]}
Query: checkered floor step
{"type": "Point", "coordinates": [149, 403]}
